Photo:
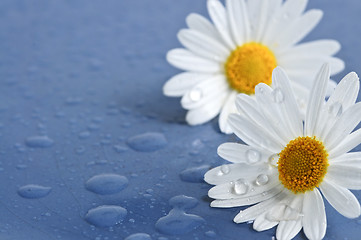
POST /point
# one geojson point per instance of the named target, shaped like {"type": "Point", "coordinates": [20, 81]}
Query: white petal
{"type": "Point", "coordinates": [341, 199]}
{"type": "Point", "coordinates": [314, 221]}
{"type": "Point", "coordinates": [205, 112]}
{"type": "Point", "coordinates": [345, 175]}
{"type": "Point", "coordinates": [238, 20]}
{"type": "Point", "coordinates": [228, 108]}
{"type": "Point", "coordinates": [203, 45]}
{"type": "Point", "coordinates": [284, 96]}
{"type": "Point", "coordinates": [205, 92]}
{"type": "Point", "coordinates": [218, 175]}
{"type": "Point", "coordinates": [316, 100]}
{"type": "Point", "coordinates": [344, 96]}
{"type": "Point", "coordinates": [301, 68]}
{"type": "Point", "coordinates": [249, 200]}
{"type": "Point", "coordinates": [343, 126]}
{"type": "Point", "coordinates": [253, 212]}
{"type": "Point", "coordinates": [179, 84]}
{"type": "Point", "coordinates": [272, 113]}
{"type": "Point", "coordinates": [281, 18]}
{"type": "Point", "coordinates": [202, 25]}
{"type": "Point", "coordinates": [186, 60]}
{"type": "Point", "coordinates": [228, 190]}
{"type": "Point", "coordinates": [288, 229]}
{"type": "Point", "coordinates": [218, 15]}
{"type": "Point", "coordinates": [350, 142]}
{"type": "Point", "coordinates": [253, 134]}
{"type": "Point", "coordinates": [240, 153]}
{"type": "Point", "coordinates": [262, 224]}
{"type": "Point", "coordinates": [260, 17]}
{"type": "Point", "coordinates": [298, 29]}
{"type": "Point", "coordinates": [348, 158]}
{"type": "Point", "coordinates": [249, 109]}
{"type": "Point", "coordinates": [324, 47]}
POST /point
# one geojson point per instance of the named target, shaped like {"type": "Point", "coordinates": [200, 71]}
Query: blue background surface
{"type": "Point", "coordinates": [89, 76]}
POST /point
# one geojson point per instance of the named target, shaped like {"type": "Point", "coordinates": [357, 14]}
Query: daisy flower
{"type": "Point", "coordinates": [246, 41]}
{"type": "Point", "coordinates": [286, 162]}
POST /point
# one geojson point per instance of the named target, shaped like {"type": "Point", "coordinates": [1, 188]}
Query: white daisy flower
{"type": "Point", "coordinates": [246, 41]}
{"type": "Point", "coordinates": [286, 162]}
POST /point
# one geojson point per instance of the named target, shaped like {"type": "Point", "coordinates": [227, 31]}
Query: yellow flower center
{"type": "Point", "coordinates": [248, 65]}
{"type": "Point", "coordinates": [302, 164]}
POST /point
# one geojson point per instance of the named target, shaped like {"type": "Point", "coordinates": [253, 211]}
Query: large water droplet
{"type": "Point", "coordinates": [225, 169]}
{"type": "Point", "coordinates": [273, 160]}
{"type": "Point", "coordinates": [106, 215]}
{"type": "Point", "coordinates": [32, 191]}
{"type": "Point", "coordinates": [262, 179]}
{"type": "Point", "coordinates": [183, 202]}
{"type": "Point", "coordinates": [139, 236]}
{"type": "Point", "coordinates": [147, 142]}
{"type": "Point", "coordinates": [195, 174]}
{"type": "Point", "coordinates": [105, 184]}
{"type": "Point", "coordinates": [195, 94]}
{"type": "Point", "coordinates": [253, 156]}
{"type": "Point", "coordinates": [39, 142]}
{"type": "Point", "coordinates": [335, 109]}
{"type": "Point", "coordinates": [241, 186]}
{"type": "Point", "coordinates": [277, 95]}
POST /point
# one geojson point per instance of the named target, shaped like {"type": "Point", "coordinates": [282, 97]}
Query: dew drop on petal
{"type": "Point", "coordinates": [253, 156]}
{"type": "Point", "coordinates": [262, 179]}
{"type": "Point", "coordinates": [335, 109]}
{"type": "Point", "coordinates": [277, 95]}
{"type": "Point", "coordinates": [240, 186]}
{"type": "Point", "coordinates": [195, 94]}
{"type": "Point", "coordinates": [273, 160]}
{"type": "Point", "coordinates": [225, 169]}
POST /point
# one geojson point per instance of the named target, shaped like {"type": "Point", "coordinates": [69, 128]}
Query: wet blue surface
{"type": "Point", "coordinates": [80, 83]}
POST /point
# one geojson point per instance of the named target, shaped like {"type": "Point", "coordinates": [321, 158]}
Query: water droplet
{"type": "Point", "coordinates": [195, 174]}
{"type": "Point", "coordinates": [262, 179]}
{"type": "Point", "coordinates": [273, 160]}
{"type": "Point", "coordinates": [225, 169]}
{"type": "Point", "coordinates": [240, 186]}
{"type": "Point", "coordinates": [253, 156]}
{"type": "Point", "coordinates": [177, 222]}
{"type": "Point", "coordinates": [138, 236]}
{"type": "Point", "coordinates": [195, 94]}
{"type": "Point", "coordinates": [335, 109]}
{"type": "Point", "coordinates": [277, 95]}
{"type": "Point", "coordinates": [119, 148]}
{"type": "Point", "coordinates": [32, 191]}
{"type": "Point", "coordinates": [39, 142]}
{"type": "Point", "coordinates": [106, 215]}
{"type": "Point", "coordinates": [147, 142]}
{"type": "Point", "coordinates": [183, 202]}
{"type": "Point", "coordinates": [84, 135]}
{"type": "Point", "coordinates": [210, 234]}
{"type": "Point", "coordinates": [105, 184]}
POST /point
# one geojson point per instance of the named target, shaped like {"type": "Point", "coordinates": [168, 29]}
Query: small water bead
{"type": "Point", "coordinates": [253, 156]}
{"type": "Point", "coordinates": [105, 184]}
{"type": "Point", "coordinates": [139, 236]}
{"type": "Point", "coordinates": [147, 142]}
{"type": "Point", "coordinates": [262, 179]}
{"type": "Point", "coordinates": [273, 160]}
{"type": "Point", "coordinates": [225, 169]}
{"type": "Point", "coordinates": [241, 186]}
{"type": "Point", "coordinates": [335, 109]}
{"type": "Point", "coordinates": [106, 215]}
{"type": "Point", "coordinates": [33, 191]}
{"type": "Point", "coordinates": [195, 94]}
{"type": "Point", "coordinates": [277, 95]}
{"type": "Point", "coordinates": [195, 174]}
{"type": "Point", "coordinates": [39, 142]}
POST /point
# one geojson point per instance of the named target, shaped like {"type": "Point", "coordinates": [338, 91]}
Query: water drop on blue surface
{"type": "Point", "coordinates": [210, 234]}
{"type": "Point", "coordinates": [195, 174]}
{"type": "Point", "coordinates": [106, 215]}
{"type": "Point", "coordinates": [178, 222]}
{"type": "Point", "coordinates": [105, 184]}
{"type": "Point", "coordinates": [183, 202]}
{"type": "Point", "coordinates": [138, 236]}
{"type": "Point", "coordinates": [119, 148]}
{"type": "Point", "coordinates": [39, 142]}
{"type": "Point", "coordinates": [32, 191]}
{"type": "Point", "coordinates": [147, 142]}
{"type": "Point", "coordinates": [83, 135]}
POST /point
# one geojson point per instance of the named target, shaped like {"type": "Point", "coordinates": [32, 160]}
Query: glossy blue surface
{"type": "Point", "coordinates": [89, 146]}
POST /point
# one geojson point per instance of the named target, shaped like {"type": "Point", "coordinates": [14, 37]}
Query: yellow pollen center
{"type": "Point", "coordinates": [302, 164]}
{"type": "Point", "coordinates": [248, 65]}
